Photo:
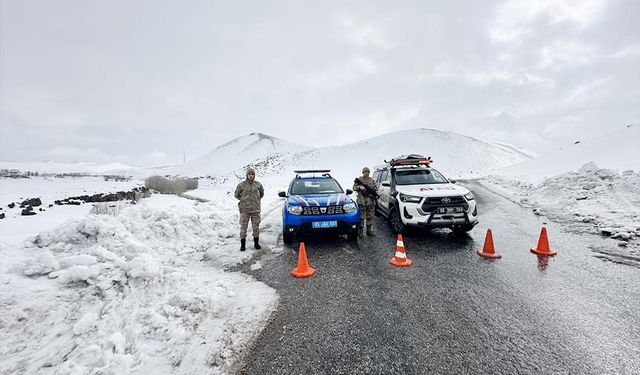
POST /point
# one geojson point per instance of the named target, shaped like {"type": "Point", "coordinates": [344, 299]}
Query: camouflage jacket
{"type": "Point", "coordinates": [249, 195]}
{"type": "Point", "coordinates": [363, 197]}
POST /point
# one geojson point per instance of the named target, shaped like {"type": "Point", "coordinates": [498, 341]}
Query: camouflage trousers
{"type": "Point", "coordinates": [366, 214]}
{"type": "Point", "coordinates": [244, 224]}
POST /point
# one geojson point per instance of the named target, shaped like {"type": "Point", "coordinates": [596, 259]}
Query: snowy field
{"type": "Point", "coordinates": [52, 188]}
{"type": "Point", "coordinates": [144, 290]}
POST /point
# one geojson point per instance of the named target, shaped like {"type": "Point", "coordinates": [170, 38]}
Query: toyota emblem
{"type": "Point", "coordinates": [446, 200]}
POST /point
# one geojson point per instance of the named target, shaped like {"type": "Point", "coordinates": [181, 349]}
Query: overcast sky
{"type": "Point", "coordinates": [142, 81]}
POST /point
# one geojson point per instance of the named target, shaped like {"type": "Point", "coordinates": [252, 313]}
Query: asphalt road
{"type": "Point", "coordinates": [453, 312]}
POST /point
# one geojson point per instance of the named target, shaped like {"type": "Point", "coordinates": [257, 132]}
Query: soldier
{"type": "Point", "coordinates": [249, 192]}
{"type": "Point", "coordinates": [367, 195]}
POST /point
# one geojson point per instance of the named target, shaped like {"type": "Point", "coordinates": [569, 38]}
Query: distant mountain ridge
{"type": "Point", "coordinates": [454, 154]}
{"type": "Point", "coordinates": [57, 167]}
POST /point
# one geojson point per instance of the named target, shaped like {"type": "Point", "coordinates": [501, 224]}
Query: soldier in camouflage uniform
{"type": "Point", "coordinates": [249, 192]}
{"type": "Point", "coordinates": [366, 201]}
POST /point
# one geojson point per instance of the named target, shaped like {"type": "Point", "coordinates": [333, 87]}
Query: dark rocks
{"type": "Point", "coordinates": [133, 195]}
{"type": "Point", "coordinates": [2, 215]}
{"type": "Point", "coordinates": [11, 205]}
{"type": "Point", "coordinates": [28, 211]}
{"type": "Point", "coordinates": [34, 202]}
{"type": "Point", "coordinates": [50, 205]}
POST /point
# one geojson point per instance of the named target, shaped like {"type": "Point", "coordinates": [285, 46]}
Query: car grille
{"type": "Point", "coordinates": [431, 203]}
{"type": "Point", "coordinates": [315, 210]}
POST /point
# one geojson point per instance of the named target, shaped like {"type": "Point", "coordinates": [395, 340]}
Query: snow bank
{"type": "Point", "coordinates": [131, 293]}
{"type": "Point", "coordinates": [590, 199]}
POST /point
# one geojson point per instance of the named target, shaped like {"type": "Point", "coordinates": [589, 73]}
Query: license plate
{"type": "Point", "coordinates": [449, 210]}
{"type": "Point", "coordinates": [324, 224]}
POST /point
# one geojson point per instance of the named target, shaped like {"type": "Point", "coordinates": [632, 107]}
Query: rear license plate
{"type": "Point", "coordinates": [324, 224]}
{"type": "Point", "coordinates": [450, 210]}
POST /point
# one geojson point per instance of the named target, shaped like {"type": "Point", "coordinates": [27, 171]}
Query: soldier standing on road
{"type": "Point", "coordinates": [249, 192]}
{"type": "Point", "coordinates": [365, 186]}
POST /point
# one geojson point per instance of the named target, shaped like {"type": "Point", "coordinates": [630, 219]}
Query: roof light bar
{"type": "Point", "coordinates": [313, 171]}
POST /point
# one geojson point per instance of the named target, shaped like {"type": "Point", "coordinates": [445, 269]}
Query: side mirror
{"type": "Point", "coordinates": [282, 194]}
{"type": "Point", "coordinates": [349, 191]}
{"type": "Point", "coordinates": [452, 181]}
{"type": "Point", "coordinates": [385, 183]}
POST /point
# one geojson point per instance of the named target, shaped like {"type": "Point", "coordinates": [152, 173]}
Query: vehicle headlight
{"type": "Point", "coordinates": [349, 207]}
{"type": "Point", "coordinates": [296, 210]}
{"type": "Point", "coordinates": [409, 198]}
{"type": "Point", "coordinates": [469, 196]}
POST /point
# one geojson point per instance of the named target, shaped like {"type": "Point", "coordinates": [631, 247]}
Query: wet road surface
{"type": "Point", "coordinates": [453, 312]}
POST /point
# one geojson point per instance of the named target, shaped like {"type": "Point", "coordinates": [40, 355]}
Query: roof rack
{"type": "Point", "coordinates": [325, 172]}
{"type": "Point", "coordinates": [412, 159]}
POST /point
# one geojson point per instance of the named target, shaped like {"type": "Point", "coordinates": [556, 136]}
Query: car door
{"type": "Point", "coordinates": [384, 187]}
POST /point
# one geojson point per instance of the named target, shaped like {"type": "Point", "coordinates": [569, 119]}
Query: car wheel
{"type": "Point", "coordinates": [287, 238]}
{"type": "Point", "coordinates": [377, 212]}
{"type": "Point", "coordinates": [395, 221]}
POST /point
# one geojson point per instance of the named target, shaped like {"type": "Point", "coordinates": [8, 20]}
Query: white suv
{"type": "Point", "coordinates": [414, 194]}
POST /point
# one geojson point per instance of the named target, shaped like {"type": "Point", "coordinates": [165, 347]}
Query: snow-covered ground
{"type": "Point", "coordinates": [49, 189]}
{"type": "Point", "coordinates": [591, 186]}
{"type": "Point", "coordinates": [146, 288]}
{"type": "Point", "coordinates": [142, 290]}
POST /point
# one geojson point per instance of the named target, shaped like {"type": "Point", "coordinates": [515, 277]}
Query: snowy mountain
{"type": "Point", "coordinates": [454, 154]}
{"type": "Point", "coordinates": [236, 154]}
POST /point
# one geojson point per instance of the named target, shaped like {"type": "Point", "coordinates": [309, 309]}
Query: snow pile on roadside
{"type": "Point", "coordinates": [131, 294]}
{"type": "Point", "coordinates": [600, 200]}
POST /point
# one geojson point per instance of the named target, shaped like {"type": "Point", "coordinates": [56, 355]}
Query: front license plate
{"type": "Point", "coordinates": [324, 224]}
{"type": "Point", "coordinates": [449, 210]}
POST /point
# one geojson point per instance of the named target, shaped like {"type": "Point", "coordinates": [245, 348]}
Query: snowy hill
{"type": "Point", "coordinates": [236, 154]}
{"type": "Point", "coordinates": [619, 150]}
{"type": "Point", "coordinates": [593, 185]}
{"type": "Point", "coordinates": [454, 154]}
{"type": "Point", "coordinates": [55, 167]}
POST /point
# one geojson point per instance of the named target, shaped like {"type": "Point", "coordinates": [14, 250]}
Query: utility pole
{"type": "Point", "coordinates": [184, 157]}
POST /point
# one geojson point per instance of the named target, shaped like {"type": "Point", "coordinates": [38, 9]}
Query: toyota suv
{"type": "Point", "coordinates": [315, 203]}
{"type": "Point", "coordinates": [414, 194]}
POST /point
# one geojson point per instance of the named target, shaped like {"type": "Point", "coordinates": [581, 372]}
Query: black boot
{"type": "Point", "coordinates": [243, 245]}
{"type": "Point", "coordinates": [256, 244]}
{"type": "Point", "coordinates": [370, 231]}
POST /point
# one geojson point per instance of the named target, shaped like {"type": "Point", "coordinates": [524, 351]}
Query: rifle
{"type": "Point", "coordinates": [367, 189]}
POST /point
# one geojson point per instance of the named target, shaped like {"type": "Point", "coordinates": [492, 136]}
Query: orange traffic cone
{"type": "Point", "coordinates": [303, 269]}
{"type": "Point", "coordinates": [543, 245]}
{"type": "Point", "coordinates": [400, 258]}
{"type": "Point", "coordinates": [488, 250]}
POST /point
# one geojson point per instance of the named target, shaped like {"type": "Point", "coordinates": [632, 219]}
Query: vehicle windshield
{"type": "Point", "coordinates": [319, 186]}
{"type": "Point", "coordinates": [419, 177]}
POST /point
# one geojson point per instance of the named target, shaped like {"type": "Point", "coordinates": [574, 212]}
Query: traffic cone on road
{"type": "Point", "coordinates": [400, 258]}
{"type": "Point", "coordinates": [303, 269]}
{"type": "Point", "coordinates": [543, 245]}
{"type": "Point", "coordinates": [487, 250]}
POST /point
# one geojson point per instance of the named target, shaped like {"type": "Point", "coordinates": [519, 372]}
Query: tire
{"type": "Point", "coordinates": [352, 236]}
{"type": "Point", "coordinates": [377, 212]}
{"type": "Point", "coordinates": [395, 221]}
{"type": "Point", "coordinates": [287, 238]}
